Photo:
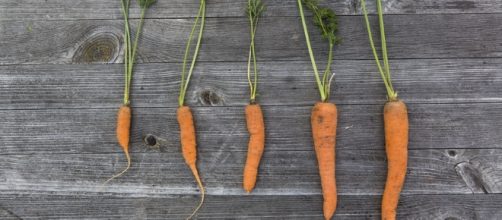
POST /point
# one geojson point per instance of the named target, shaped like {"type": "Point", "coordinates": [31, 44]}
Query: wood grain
{"type": "Point", "coordinates": [161, 173]}
{"type": "Point", "coordinates": [61, 82]}
{"type": "Point", "coordinates": [226, 39]}
{"type": "Point", "coordinates": [96, 9]}
{"type": "Point", "coordinates": [225, 84]}
{"type": "Point", "coordinates": [437, 126]}
{"type": "Point", "coordinates": [106, 206]}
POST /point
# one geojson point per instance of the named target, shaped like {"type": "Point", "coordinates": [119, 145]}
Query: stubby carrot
{"type": "Point", "coordinates": [254, 115]}
{"type": "Point", "coordinates": [395, 123]}
{"type": "Point", "coordinates": [324, 123]}
{"type": "Point", "coordinates": [256, 129]}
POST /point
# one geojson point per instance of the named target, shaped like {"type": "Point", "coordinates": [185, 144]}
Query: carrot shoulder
{"type": "Point", "coordinates": [189, 147]}
{"type": "Point", "coordinates": [396, 146]}
{"type": "Point", "coordinates": [256, 129]}
{"type": "Point", "coordinates": [324, 122]}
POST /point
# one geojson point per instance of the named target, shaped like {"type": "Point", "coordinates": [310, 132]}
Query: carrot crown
{"type": "Point", "coordinates": [325, 19]}
{"type": "Point", "coordinates": [185, 79]}
{"type": "Point", "coordinates": [131, 48]}
{"type": "Point", "coordinates": [254, 9]}
{"type": "Point", "coordinates": [383, 69]}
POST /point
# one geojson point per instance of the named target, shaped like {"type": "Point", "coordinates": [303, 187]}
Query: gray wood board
{"type": "Point", "coordinates": [61, 82]}
{"type": "Point", "coordinates": [443, 126]}
{"type": "Point", "coordinates": [226, 39]}
{"type": "Point", "coordinates": [110, 9]}
{"type": "Point", "coordinates": [92, 206]}
{"type": "Point", "coordinates": [225, 84]}
{"type": "Point", "coordinates": [160, 173]}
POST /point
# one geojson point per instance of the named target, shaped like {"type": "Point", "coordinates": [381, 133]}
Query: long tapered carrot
{"type": "Point", "coordinates": [123, 135]}
{"type": "Point", "coordinates": [396, 146]}
{"type": "Point", "coordinates": [189, 147]}
{"type": "Point", "coordinates": [324, 122]}
{"type": "Point", "coordinates": [395, 123]}
{"type": "Point", "coordinates": [256, 129]}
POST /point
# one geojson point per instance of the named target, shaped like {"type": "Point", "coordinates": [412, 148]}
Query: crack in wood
{"type": "Point", "coordinates": [472, 177]}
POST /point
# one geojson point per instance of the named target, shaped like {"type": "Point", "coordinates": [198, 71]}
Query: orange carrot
{"type": "Point", "coordinates": [123, 135]}
{"type": "Point", "coordinates": [396, 146]}
{"type": "Point", "coordinates": [395, 123]}
{"type": "Point", "coordinates": [189, 147]}
{"type": "Point", "coordinates": [324, 122]}
{"type": "Point", "coordinates": [256, 129]}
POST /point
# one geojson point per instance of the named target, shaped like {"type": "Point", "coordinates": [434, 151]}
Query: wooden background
{"type": "Point", "coordinates": [61, 83]}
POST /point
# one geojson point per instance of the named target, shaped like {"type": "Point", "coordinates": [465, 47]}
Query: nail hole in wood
{"type": "Point", "coordinates": [150, 140]}
{"type": "Point", "coordinates": [452, 153]}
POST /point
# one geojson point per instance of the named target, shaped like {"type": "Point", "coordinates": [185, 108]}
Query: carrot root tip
{"type": "Point", "coordinates": [193, 167]}
{"type": "Point", "coordinates": [128, 156]}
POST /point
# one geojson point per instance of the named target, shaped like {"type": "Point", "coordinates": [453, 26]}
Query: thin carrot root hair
{"type": "Point", "coordinates": [128, 156]}
{"type": "Point", "coordinates": [202, 190]}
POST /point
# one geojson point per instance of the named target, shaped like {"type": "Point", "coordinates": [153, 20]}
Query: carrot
{"type": "Point", "coordinates": [189, 146]}
{"type": "Point", "coordinates": [395, 123]}
{"type": "Point", "coordinates": [324, 122]}
{"type": "Point", "coordinates": [324, 114]}
{"type": "Point", "coordinates": [123, 135]}
{"type": "Point", "coordinates": [184, 114]}
{"type": "Point", "coordinates": [254, 115]}
{"type": "Point", "coordinates": [130, 50]}
{"type": "Point", "coordinates": [256, 129]}
{"type": "Point", "coordinates": [396, 146]}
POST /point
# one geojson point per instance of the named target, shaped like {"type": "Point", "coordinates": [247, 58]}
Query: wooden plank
{"type": "Point", "coordinates": [225, 84]}
{"type": "Point", "coordinates": [443, 126]}
{"type": "Point", "coordinates": [226, 39]}
{"type": "Point", "coordinates": [159, 173]}
{"type": "Point", "coordinates": [95, 9]}
{"type": "Point", "coordinates": [49, 206]}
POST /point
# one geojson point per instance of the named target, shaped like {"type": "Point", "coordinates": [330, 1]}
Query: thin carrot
{"type": "Point", "coordinates": [254, 115]}
{"type": "Point", "coordinates": [324, 114]}
{"type": "Point", "coordinates": [130, 50]}
{"type": "Point", "coordinates": [189, 147]}
{"type": "Point", "coordinates": [395, 123]}
{"type": "Point", "coordinates": [324, 122]}
{"type": "Point", "coordinates": [184, 114]}
{"type": "Point", "coordinates": [123, 134]}
{"type": "Point", "coordinates": [256, 129]}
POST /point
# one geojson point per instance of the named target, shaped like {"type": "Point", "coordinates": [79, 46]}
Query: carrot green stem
{"type": "Point", "coordinates": [383, 69]}
{"type": "Point", "coordinates": [311, 53]}
{"type": "Point", "coordinates": [254, 9]}
{"type": "Point", "coordinates": [185, 79]}
{"type": "Point", "coordinates": [129, 48]}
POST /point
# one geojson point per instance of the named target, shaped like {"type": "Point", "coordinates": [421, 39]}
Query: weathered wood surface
{"type": "Point", "coordinates": [110, 9]}
{"type": "Point", "coordinates": [226, 39]}
{"type": "Point", "coordinates": [175, 207]}
{"type": "Point", "coordinates": [61, 83]}
{"type": "Point", "coordinates": [225, 84]}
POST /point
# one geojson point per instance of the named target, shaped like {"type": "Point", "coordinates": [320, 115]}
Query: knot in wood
{"type": "Point", "coordinates": [98, 48]}
{"type": "Point", "coordinates": [211, 98]}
